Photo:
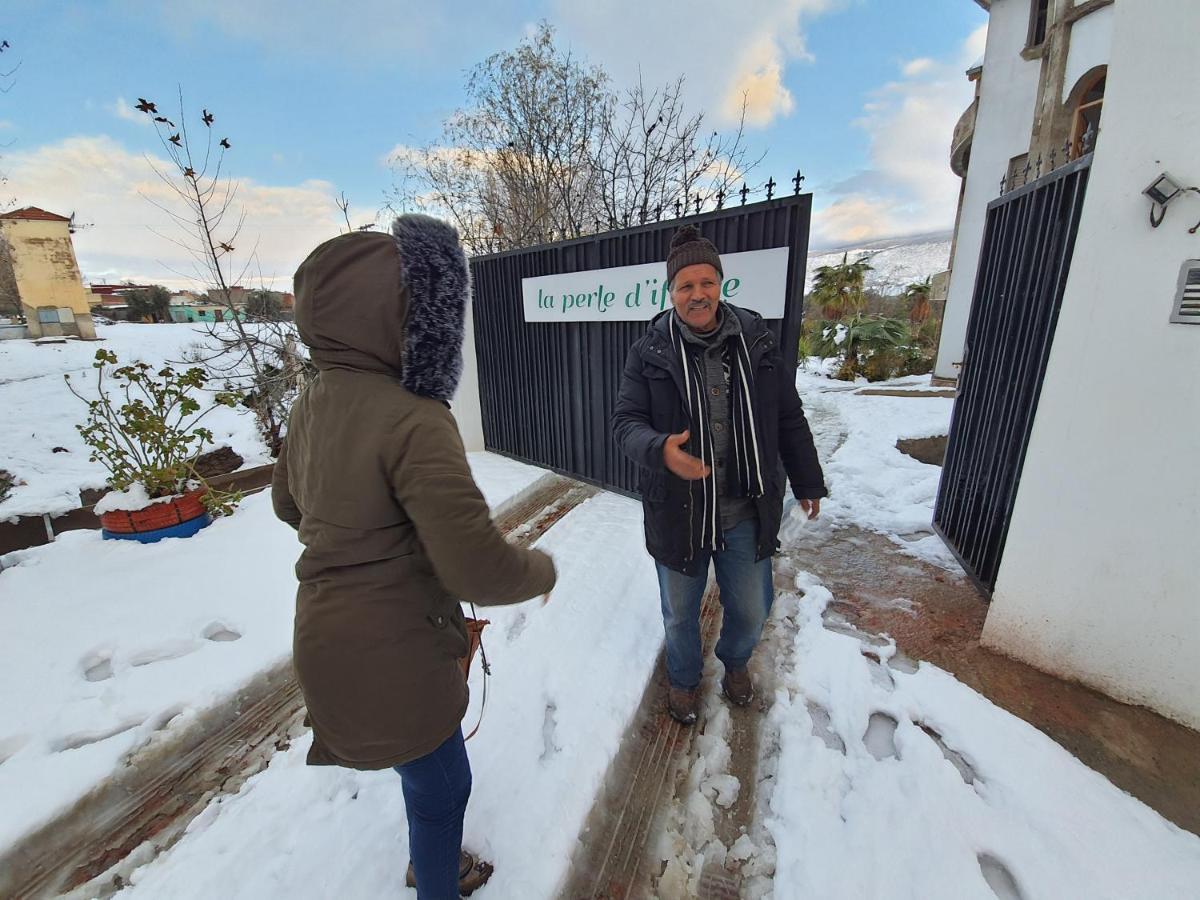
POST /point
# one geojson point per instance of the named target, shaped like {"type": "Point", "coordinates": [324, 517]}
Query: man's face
{"type": "Point", "coordinates": [695, 294]}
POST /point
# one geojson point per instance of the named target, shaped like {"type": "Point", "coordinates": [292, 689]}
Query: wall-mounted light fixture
{"type": "Point", "coordinates": [1162, 191]}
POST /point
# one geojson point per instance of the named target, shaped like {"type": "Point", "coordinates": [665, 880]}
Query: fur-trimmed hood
{"type": "Point", "coordinates": [392, 304]}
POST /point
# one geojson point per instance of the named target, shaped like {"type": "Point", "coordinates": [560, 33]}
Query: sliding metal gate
{"type": "Point", "coordinates": [1025, 258]}
{"type": "Point", "coordinates": [547, 390]}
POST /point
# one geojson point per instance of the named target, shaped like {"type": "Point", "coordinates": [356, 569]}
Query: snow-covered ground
{"type": "Point", "coordinates": [877, 780]}
{"type": "Point", "coordinates": [887, 783]}
{"type": "Point", "coordinates": [567, 678]}
{"type": "Point", "coordinates": [39, 414]}
{"type": "Point", "coordinates": [110, 644]}
{"type": "Point", "coordinates": [872, 484]}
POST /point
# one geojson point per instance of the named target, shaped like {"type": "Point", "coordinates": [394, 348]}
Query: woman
{"type": "Point", "coordinates": [395, 531]}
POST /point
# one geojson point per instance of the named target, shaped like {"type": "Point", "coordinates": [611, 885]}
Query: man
{"type": "Point", "coordinates": [708, 411]}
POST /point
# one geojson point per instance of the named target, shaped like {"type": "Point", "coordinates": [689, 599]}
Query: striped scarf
{"type": "Point", "coordinates": [747, 463]}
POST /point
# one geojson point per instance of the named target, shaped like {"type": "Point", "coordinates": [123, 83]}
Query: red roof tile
{"type": "Point", "coordinates": [32, 212]}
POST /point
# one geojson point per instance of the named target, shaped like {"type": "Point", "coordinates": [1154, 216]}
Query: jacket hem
{"type": "Point", "coordinates": [319, 755]}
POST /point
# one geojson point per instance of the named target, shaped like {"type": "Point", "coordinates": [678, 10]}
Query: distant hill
{"type": "Point", "coordinates": [895, 262]}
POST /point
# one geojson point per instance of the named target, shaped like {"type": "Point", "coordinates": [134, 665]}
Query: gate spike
{"type": "Point", "coordinates": [658, 213]}
{"type": "Point", "coordinates": [699, 203]}
{"type": "Point", "coordinates": [720, 198]}
{"type": "Point", "coordinates": [1003, 182]}
{"type": "Point", "coordinates": [744, 192]}
{"type": "Point", "coordinates": [677, 205]}
{"type": "Point", "coordinates": [798, 180]}
{"type": "Point", "coordinates": [771, 188]}
{"type": "Point", "coordinates": [1039, 166]}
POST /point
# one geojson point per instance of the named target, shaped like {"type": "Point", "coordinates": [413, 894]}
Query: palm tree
{"type": "Point", "coordinates": [917, 295]}
{"type": "Point", "coordinates": [865, 337]}
{"type": "Point", "coordinates": [839, 288]}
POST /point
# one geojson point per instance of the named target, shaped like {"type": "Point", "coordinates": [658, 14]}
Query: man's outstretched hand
{"type": "Point", "coordinates": [812, 508]}
{"type": "Point", "coordinates": [682, 463]}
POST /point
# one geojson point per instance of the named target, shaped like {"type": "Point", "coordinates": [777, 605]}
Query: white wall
{"type": "Point", "coordinates": [1100, 579]}
{"type": "Point", "coordinates": [466, 407]}
{"type": "Point", "coordinates": [1091, 45]}
{"type": "Point", "coordinates": [1008, 95]}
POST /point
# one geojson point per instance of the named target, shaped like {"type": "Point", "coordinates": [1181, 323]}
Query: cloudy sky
{"type": "Point", "coordinates": [861, 95]}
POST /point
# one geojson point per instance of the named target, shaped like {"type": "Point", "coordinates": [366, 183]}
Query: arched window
{"type": "Point", "coordinates": [1089, 103]}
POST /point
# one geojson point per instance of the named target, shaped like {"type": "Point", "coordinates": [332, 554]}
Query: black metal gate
{"type": "Point", "coordinates": [1024, 262]}
{"type": "Point", "coordinates": [547, 390]}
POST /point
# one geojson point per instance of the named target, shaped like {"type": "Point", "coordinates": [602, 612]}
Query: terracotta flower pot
{"type": "Point", "coordinates": [178, 517]}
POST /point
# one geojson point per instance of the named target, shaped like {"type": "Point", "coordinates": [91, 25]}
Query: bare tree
{"type": "Point", "coordinates": [546, 149]}
{"type": "Point", "coordinates": [653, 154]}
{"type": "Point", "coordinates": [515, 166]}
{"type": "Point", "coordinates": [8, 80]}
{"type": "Point", "coordinates": [342, 202]}
{"type": "Point", "coordinates": [343, 206]}
{"type": "Point", "coordinates": [10, 299]}
{"type": "Point", "coordinates": [260, 359]}
{"type": "Point", "coordinates": [8, 70]}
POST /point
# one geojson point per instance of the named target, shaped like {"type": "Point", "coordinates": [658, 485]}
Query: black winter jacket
{"type": "Point", "coordinates": [650, 407]}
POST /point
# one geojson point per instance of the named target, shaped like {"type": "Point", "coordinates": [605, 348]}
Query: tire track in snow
{"type": "Point", "coordinates": [144, 808]}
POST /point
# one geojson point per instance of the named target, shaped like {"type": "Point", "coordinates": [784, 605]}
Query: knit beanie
{"type": "Point", "coordinates": [688, 248]}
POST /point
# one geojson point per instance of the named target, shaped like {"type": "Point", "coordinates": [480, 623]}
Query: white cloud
{"type": "Point", "coordinates": [659, 40]}
{"type": "Point", "coordinates": [758, 87]}
{"type": "Point", "coordinates": [974, 46]}
{"type": "Point", "coordinates": [403, 155]}
{"type": "Point", "coordinates": [110, 189]}
{"type": "Point", "coordinates": [918, 67]}
{"type": "Point", "coordinates": [908, 187]}
{"type": "Point", "coordinates": [122, 110]}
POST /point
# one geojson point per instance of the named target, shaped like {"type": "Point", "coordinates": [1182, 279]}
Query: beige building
{"type": "Point", "coordinates": [46, 275]}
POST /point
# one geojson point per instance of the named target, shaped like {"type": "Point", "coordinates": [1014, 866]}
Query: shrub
{"type": "Point", "coordinates": [144, 427]}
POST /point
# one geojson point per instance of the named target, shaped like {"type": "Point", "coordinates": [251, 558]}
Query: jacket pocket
{"type": "Point", "coordinates": [653, 487]}
{"type": "Point", "coordinates": [449, 624]}
{"type": "Point", "coordinates": [666, 405]}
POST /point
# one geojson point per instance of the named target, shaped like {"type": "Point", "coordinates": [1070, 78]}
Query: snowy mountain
{"type": "Point", "coordinates": [895, 262]}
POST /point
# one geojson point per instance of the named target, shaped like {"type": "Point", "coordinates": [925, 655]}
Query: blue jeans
{"type": "Point", "coordinates": [436, 789]}
{"type": "Point", "coordinates": [747, 592]}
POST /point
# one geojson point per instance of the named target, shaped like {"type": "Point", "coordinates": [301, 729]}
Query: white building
{"type": "Point", "coordinates": [1041, 85]}
{"type": "Point", "coordinates": [1099, 578]}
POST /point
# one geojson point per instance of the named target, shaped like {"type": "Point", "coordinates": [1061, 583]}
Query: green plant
{"type": "Point", "coordinates": [839, 289]}
{"type": "Point", "coordinates": [264, 305]}
{"type": "Point", "coordinates": [827, 339]}
{"type": "Point", "coordinates": [144, 427]}
{"type": "Point", "coordinates": [804, 349]}
{"type": "Point", "coordinates": [6, 484]}
{"type": "Point", "coordinates": [153, 303]}
{"type": "Point", "coordinates": [876, 347]}
{"type": "Point", "coordinates": [917, 297]}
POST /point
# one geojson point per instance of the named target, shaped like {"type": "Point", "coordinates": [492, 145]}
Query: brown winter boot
{"type": "Point", "coordinates": [472, 874]}
{"type": "Point", "coordinates": [681, 704]}
{"type": "Point", "coordinates": [738, 687]}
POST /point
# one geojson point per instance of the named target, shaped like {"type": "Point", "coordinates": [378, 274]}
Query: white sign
{"type": "Point", "coordinates": [756, 279]}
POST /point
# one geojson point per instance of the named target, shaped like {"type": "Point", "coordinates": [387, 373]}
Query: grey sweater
{"type": "Point", "coordinates": [732, 509]}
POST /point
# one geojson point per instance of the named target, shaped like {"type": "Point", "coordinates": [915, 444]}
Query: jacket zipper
{"type": "Point", "coordinates": [691, 531]}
